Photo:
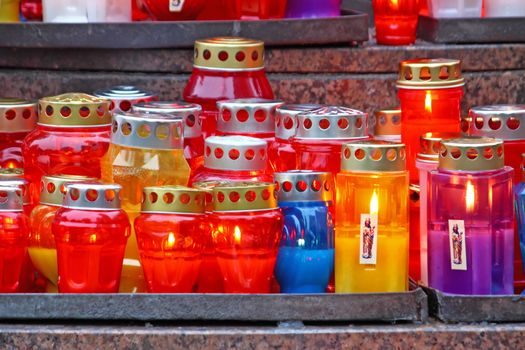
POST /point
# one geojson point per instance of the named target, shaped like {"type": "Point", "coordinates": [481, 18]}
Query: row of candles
{"type": "Point", "coordinates": [299, 192]}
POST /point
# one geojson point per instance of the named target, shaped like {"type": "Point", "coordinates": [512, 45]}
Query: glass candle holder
{"type": "Point", "coordinates": [90, 233]}
{"type": "Point", "coordinates": [84, 11]}
{"type": "Point", "coordinates": [504, 8]}
{"type": "Point", "coordinates": [395, 21]}
{"type": "Point", "coordinates": [372, 238]}
{"type": "Point", "coordinates": [218, 10]}
{"type": "Point", "coordinates": [305, 261]}
{"type": "Point", "coordinates": [42, 247]}
{"type": "Point", "coordinates": [17, 119]}
{"type": "Point", "coordinates": [386, 124]}
{"type": "Point", "coordinates": [192, 127]}
{"type": "Point", "coordinates": [519, 204]}
{"type": "Point", "coordinates": [124, 97]}
{"type": "Point", "coordinates": [247, 227]}
{"type": "Point", "coordinates": [167, 10]}
{"type": "Point", "coordinates": [9, 11]}
{"type": "Point", "coordinates": [430, 91]}
{"type": "Point", "coordinates": [454, 8]}
{"type": "Point", "coordinates": [313, 8]}
{"type": "Point", "coordinates": [280, 152]}
{"type": "Point", "coordinates": [31, 10]}
{"type": "Point", "coordinates": [414, 258]}
{"type": "Point", "coordinates": [260, 9]}
{"type": "Point", "coordinates": [470, 219]}
{"type": "Point", "coordinates": [234, 158]}
{"type": "Point", "coordinates": [146, 150]}
{"type": "Point", "coordinates": [70, 138]}
{"type": "Point", "coordinates": [171, 230]}
{"type": "Point", "coordinates": [226, 69]}
{"type": "Point", "coordinates": [14, 230]}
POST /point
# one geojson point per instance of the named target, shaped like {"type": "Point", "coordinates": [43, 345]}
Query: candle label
{"type": "Point", "coordinates": [458, 248]}
{"type": "Point", "coordinates": [176, 5]}
{"type": "Point", "coordinates": [368, 240]}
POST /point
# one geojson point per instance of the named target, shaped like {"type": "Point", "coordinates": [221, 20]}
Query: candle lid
{"type": "Point", "coordinates": [471, 154]}
{"type": "Point", "coordinates": [332, 122]}
{"type": "Point", "coordinates": [372, 156]}
{"type": "Point", "coordinates": [430, 73]}
{"type": "Point", "coordinates": [304, 185]}
{"type": "Point", "coordinates": [123, 97]}
{"type": "Point", "coordinates": [506, 122]}
{"type": "Point", "coordinates": [19, 183]}
{"type": "Point", "coordinates": [53, 187]}
{"type": "Point", "coordinates": [74, 110]}
{"type": "Point", "coordinates": [286, 119]}
{"type": "Point", "coordinates": [248, 115]}
{"type": "Point", "coordinates": [235, 153]}
{"type": "Point", "coordinates": [92, 196]}
{"type": "Point", "coordinates": [243, 196]}
{"type": "Point", "coordinates": [173, 199]}
{"type": "Point", "coordinates": [17, 115]}
{"type": "Point", "coordinates": [10, 199]}
{"type": "Point", "coordinates": [139, 130]}
{"type": "Point", "coordinates": [430, 144]}
{"type": "Point", "coordinates": [229, 53]}
{"type": "Point", "coordinates": [189, 112]}
{"type": "Point", "coordinates": [386, 122]}
{"type": "Point", "coordinates": [11, 173]}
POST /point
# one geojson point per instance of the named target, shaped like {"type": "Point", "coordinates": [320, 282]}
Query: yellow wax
{"type": "Point", "coordinates": [45, 261]}
{"type": "Point", "coordinates": [9, 10]}
{"type": "Point", "coordinates": [132, 279]}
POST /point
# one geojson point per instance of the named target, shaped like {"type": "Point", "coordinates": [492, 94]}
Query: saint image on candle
{"type": "Point", "coordinates": [368, 229]}
{"type": "Point", "coordinates": [457, 244]}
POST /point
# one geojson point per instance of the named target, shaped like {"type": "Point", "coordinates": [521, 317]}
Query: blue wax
{"type": "Point", "coordinates": [519, 202]}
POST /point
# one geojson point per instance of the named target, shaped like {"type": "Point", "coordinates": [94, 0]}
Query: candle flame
{"type": "Point", "coordinates": [93, 239]}
{"type": "Point", "coordinates": [374, 204]}
{"type": "Point", "coordinates": [428, 102]}
{"type": "Point", "coordinates": [394, 3]}
{"type": "Point", "coordinates": [237, 235]}
{"type": "Point", "coordinates": [170, 243]}
{"type": "Point", "coordinates": [11, 165]}
{"type": "Point", "coordinates": [470, 196]}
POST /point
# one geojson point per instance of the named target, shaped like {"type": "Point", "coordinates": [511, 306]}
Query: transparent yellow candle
{"type": "Point", "coordinates": [372, 237]}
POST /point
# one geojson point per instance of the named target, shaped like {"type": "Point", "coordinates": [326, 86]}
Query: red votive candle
{"type": "Point", "coordinates": [396, 21]}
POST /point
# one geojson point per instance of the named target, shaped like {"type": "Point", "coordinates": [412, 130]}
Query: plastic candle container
{"type": "Point", "coordinates": [42, 247]}
{"type": "Point", "coordinates": [260, 9]}
{"type": "Point", "coordinates": [305, 261]}
{"type": "Point", "coordinates": [83, 11]}
{"type": "Point", "coordinates": [455, 8]}
{"type": "Point", "coordinates": [168, 10]}
{"type": "Point", "coordinates": [504, 8]}
{"type": "Point", "coordinates": [386, 124]}
{"type": "Point", "coordinates": [90, 232]}
{"type": "Point", "coordinates": [146, 150]}
{"type": "Point", "coordinates": [17, 119]}
{"type": "Point", "coordinates": [124, 97]}
{"type": "Point", "coordinates": [430, 91]}
{"type": "Point", "coordinates": [470, 219]}
{"type": "Point", "coordinates": [313, 8]}
{"type": "Point", "coordinates": [281, 153]}
{"type": "Point", "coordinates": [246, 229]}
{"type": "Point", "coordinates": [9, 11]}
{"type": "Point", "coordinates": [14, 230]}
{"type": "Point", "coordinates": [31, 10]}
{"type": "Point", "coordinates": [395, 21]}
{"type": "Point", "coordinates": [225, 69]}
{"type": "Point", "coordinates": [70, 138]}
{"type": "Point", "coordinates": [372, 238]}
{"type": "Point", "coordinates": [192, 129]}
{"type": "Point", "coordinates": [234, 158]}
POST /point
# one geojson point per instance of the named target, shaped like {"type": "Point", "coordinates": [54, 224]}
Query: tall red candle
{"type": "Point", "coordinates": [396, 21]}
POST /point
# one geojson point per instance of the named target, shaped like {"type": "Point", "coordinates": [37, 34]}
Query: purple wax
{"type": "Point", "coordinates": [313, 8]}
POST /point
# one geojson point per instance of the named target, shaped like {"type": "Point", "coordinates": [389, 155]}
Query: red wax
{"type": "Point", "coordinates": [31, 9]}
{"type": "Point", "coordinates": [14, 233]}
{"type": "Point", "coordinates": [162, 11]}
{"type": "Point", "coordinates": [282, 156]}
{"type": "Point", "coordinates": [90, 249]}
{"type": "Point", "coordinates": [261, 9]}
{"type": "Point", "coordinates": [63, 151]}
{"type": "Point", "coordinates": [138, 13]}
{"type": "Point", "coordinates": [396, 21]}
{"type": "Point", "coordinates": [218, 10]}
{"type": "Point", "coordinates": [170, 247]}
{"type": "Point", "coordinates": [11, 150]}
{"type": "Point", "coordinates": [207, 86]}
{"type": "Point", "coordinates": [247, 244]}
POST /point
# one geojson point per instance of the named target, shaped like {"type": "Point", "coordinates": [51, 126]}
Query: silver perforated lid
{"type": "Point", "coordinates": [250, 115]}
{"type": "Point", "coordinates": [10, 199]}
{"type": "Point", "coordinates": [123, 97]}
{"type": "Point", "coordinates": [235, 153]}
{"type": "Point", "coordinates": [332, 122]}
{"type": "Point", "coordinates": [92, 196]}
{"type": "Point", "coordinates": [19, 183]}
{"type": "Point", "coordinates": [304, 185]}
{"type": "Point", "coordinates": [17, 115]}
{"type": "Point", "coordinates": [286, 119]}
{"type": "Point", "coordinates": [506, 122]}
{"type": "Point", "coordinates": [189, 112]}
{"type": "Point", "coordinates": [139, 130]}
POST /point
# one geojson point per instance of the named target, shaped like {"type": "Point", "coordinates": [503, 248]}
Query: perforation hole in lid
{"type": "Point", "coordinates": [234, 154]}
{"type": "Point", "coordinates": [190, 121]}
{"type": "Point", "coordinates": [110, 195]}
{"type": "Point", "coordinates": [250, 196]}
{"type": "Point", "coordinates": [220, 197]}
{"type": "Point", "coordinates": [288, 123]}
{"type": "Point", "coordinates": [144, 131]}
{"type": "Point", "coordinates": [443, 151]}
{"type": "Point", "coordinates": [74, 194]}
{"type": "Point", "coordinates": [479, 122]}
{"type": "Point", "coordinates": [111, 105]}
{"type": "Point", "coordinates": [494, 123]}
{"type": "Point", "coordinates": [49, 111]}
{"type": "Point", "coordinates": [206, 54]}
{"type": "Point", "coordinates": [359, 122]}
{"type": "Point", "coordinates": [100, 111]}
{"type": "Point", "coordinates": [91, 195]}
{"type": "Point", "coordinates": [444, 73]}
{"type": "Point", "coordinates": [114, 129]}
{"type": "Point", "coordinates": [168, 198]}
{"type": "Point", "coordinates": [84, 111]}
{"type": "Point", "coordinates": [488, 153]}
{"type": "Point", "coordinates": [277, 121]}
{"type": "Point", "coordinates": [316, 185]}
{"type": "Point", "coordinates": [260, 115]}
{"type": "Point", "coordinates": [346, 153]}
{"type": "Point", "coordinates": [455, 153]}
{"type": "Point", "coordinates": [234, 196]}
{"type": "Point", "coordinates": [196, 53]}
{"type": "Point", "coordinates": [126, 128]}
{"type": "Point", "coordinates": [218, 153]}
{"type": "Point", "coordinates": [277, 186]}
{"type": "Point", "coordinates": [198, 198]}
{"type": "Point", "coordinates": [513, 123]}
{"type": "Point", "coordinates": [26, 114]}
{"type": "Point", "coordinates": [240, 56]}
{"type": "Point", "coordinates": [424, 73]}
{"type": "Point", "coordinates": [301, 186]}
{"type": "Point", "coordinates": [143, 197]}
{"type": "Point", "coordinates": [396, 119]}
{"type": "Point", "coordinates": [223, 56]}
{"type": "Point", "coordinates": [307, 123]}
{"type": "Point", "coordinates": [324, 124]}
{"type": "Point", "coordinates": [464, 125]}
{"type": "Point", "coordinates": [162, 131]}
{"type": "Point", "coordinates": [391, 154]}
{"type": "Point", "coordinates": [185, 198]}
{"type": "Point", "coordinates": [472, 153]}
{"type": "Point", "coordinates": [208, 151]}
{"type": "Point", "coordinates": [262, 153]}
{"type": "Point", "coordinates": [435, 147]}
{"type": "Point", "coordinates": [226, 115]}
{"type": "Point", "coordinates": [63, 189]}
{"type": "Point", "coordinates": [359, 154]}
{"type": "Point", "coordinates": [327, 186]}
{"type": "Point", "coordinates": [343, 123]}
{"type": "Point", "coordinates": [65, 112]}
{"type": "Point", "coordinates": [249, 154]}
{"type": "Point", "coordinates": [287, 186]}
{"type": "Point", "coordinates": [376, 154]}
{"type": "Point", "coordinates": [499, 151]}
{"type": "Point", "coordinates": [4, 197]}
{"type": "Point", "coordinates": [255, 55]}
{"type": "Point", "coordinates": [125, 106]}
{"type": "Point", "coordinates": [242, 115]}
{"type": "Point", "coordinates": [50, 187]}
{"type": "Point", "coordinates": [265, 194]}
{"type": "Point", "coordinates": [408, 73]}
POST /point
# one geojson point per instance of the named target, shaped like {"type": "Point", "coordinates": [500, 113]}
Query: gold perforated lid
{"type": "Point", "coordinates": [17, 115]}
{"type": "Point", "coordinates": [92, 196]}
{"type": "Point", "coordinates": [11, 173]}
{"type": "Point", "coordinates": [386, 122]}
{"type": "Point", "coordinates": [506, 122]}
{"type": "Point", "coordinates": [430, 143]}
{"type": "Point", "coordinates": [53, 187]}
{"type": "Point", "coordinates": [243, 196]}
{"type": "Point", "coordinates": [471, 154]}
{"type": "Point", "coordinates": [430, 73]}
{"type": "Point", "coordinates": [229, 53]}
{"type": "Point", "coordinates": [74, 110]}
{"type": "Point", "coordinates": [173, 199]}
{"type": "Point", "coordinates": [372, 156]}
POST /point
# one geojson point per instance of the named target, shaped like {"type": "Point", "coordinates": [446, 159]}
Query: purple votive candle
{"type": "Point", "coordinates": [313, 8]}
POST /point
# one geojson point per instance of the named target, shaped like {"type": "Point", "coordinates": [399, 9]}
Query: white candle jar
{"type": "Point", "coordinates": [85, 11]}
{"type": "Point", "coordinates": [455, 8]}
{"type": "Point", "coordinates": [504, 8]}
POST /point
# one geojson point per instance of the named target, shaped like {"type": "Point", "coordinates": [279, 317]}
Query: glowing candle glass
{"type": "Point", "coordinates": [313, 8]}
{"type": "Point", "coordinates": [372, 238]}
{"type": "Point", "coordinates": [396, 21]}
{"type": "Point", "coordinates": [386, 125]}
{"type": "Point", "coordinates": [226, 69]}
{"type": "Point", "coordinates": [247, 227]}
{"type": "Point", "coordinates": [305, 261]}
{"type": "Point", "coordinates": [167, 10]}
{"type": "Point", "coordinates": [170, 232]}
{"type": "Point", "coordinates": [430, 91]}
{"type": "Point", "coordinates": [470, 219]}
{"type": "Point", "coordinates": [31, 10]}
{"type": "Point", "coordinates": [260, 9]}
{"type": "Point", "coordinates": [90, 233]}
{"type": "Point", "coordinates": [124, 97]}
